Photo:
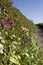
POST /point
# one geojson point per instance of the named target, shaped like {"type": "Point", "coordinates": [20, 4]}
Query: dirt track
{"type": "Point", "coordinates": [40, 36]}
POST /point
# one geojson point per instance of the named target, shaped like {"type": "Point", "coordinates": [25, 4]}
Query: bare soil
{"type": "Point", "coordinates": [40, 36]}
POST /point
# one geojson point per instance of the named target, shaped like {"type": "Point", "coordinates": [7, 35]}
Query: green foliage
{"type": "Point", "coordinates": [16, 51]}
{"type": "Point", "coordinates": [40, 25]}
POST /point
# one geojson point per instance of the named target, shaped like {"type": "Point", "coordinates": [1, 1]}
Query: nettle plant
{"type": "Point", "coordinates": [18, 45]}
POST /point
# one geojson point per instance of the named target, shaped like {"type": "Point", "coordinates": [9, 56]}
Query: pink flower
{"type": "Point", "coordinates": [11, 22]}
{"type": "Point", "coordinates": [1, 20]}
{"type": "Point", "coordinates": [4, 26]}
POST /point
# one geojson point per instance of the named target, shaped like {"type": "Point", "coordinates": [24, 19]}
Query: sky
{"type": "Point", "coordinates": [32, 9]}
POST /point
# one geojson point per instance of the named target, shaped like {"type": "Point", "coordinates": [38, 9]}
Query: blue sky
{"type": "Point", "coordinates": [32, 9]}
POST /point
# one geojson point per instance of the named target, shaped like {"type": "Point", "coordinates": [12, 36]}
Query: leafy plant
{"type": "Point", "coordinates": [18, 40]}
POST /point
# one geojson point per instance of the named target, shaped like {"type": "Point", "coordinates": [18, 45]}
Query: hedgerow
{"type": "Point", "coordinates": [18, 40]}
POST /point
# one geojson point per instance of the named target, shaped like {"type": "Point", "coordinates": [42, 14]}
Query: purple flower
{"type": "Point", "coordinates": [11, 22]}
{"type": "Point", "coordinates": [1, 20]}
{"type": "Point", "coordinates": [4, 26]}
{"type": "Point", "coordinates": [27, 40]}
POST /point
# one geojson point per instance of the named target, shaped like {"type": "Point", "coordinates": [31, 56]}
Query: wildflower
{"type": "Point", "coordinates": [1, 20]}
{"type": "Point", "coordinates": [27, 40]}
{"type": "Point", "coordinates": [11, 22]}
{"type": "Point", "coordinates": [1, 48]}
{"type": "Point", "coordinates": [4, 26]}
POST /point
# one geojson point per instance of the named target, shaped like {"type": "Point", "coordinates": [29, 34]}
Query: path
{"type": "Point", "coordinates": [40, 36]}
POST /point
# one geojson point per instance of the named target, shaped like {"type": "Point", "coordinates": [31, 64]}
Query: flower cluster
{"type": "Point", "coordinates": [9, 22]}
{"type": "Point", "coordinates": [4, 26]}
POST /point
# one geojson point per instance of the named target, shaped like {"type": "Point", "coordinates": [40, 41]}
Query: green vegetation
{"type": "Point", "coordinates": [40, 25]}
{"type": "Point", "coordinates": [18, 40]}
